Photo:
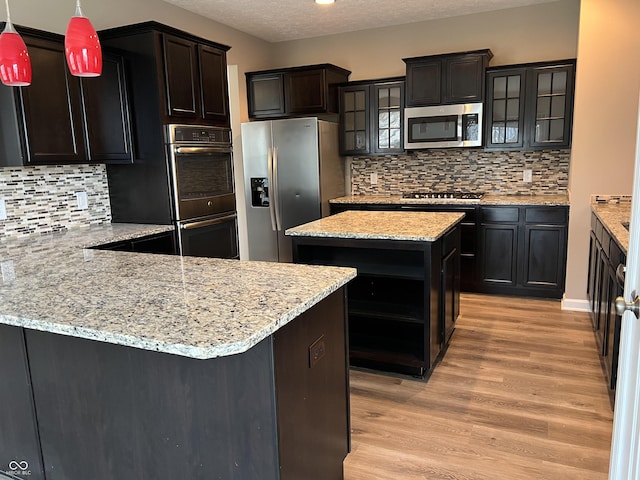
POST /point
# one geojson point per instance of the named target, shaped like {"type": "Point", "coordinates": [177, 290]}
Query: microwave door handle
{"type": "Point", "coordinates": [271, 189]}
{"type": "Point", "coordinates": [276, 192]}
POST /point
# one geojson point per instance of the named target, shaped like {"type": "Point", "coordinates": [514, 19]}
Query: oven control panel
{"type": "Point", "coordinates": [198, 134]}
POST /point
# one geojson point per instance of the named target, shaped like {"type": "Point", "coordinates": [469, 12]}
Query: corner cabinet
{"type": "Point", "coordinates": [371, 117]}
{"type": "Point", "coordinates": [523, 250]}
{"type": "Point", "coordinates": [297, 91]}
{"type": "Point", "coordinates": [60, 118]}
{"type": "Point", "coordinates": [446, 79]}
{"type": "Point", "coordinates": [530, 106]}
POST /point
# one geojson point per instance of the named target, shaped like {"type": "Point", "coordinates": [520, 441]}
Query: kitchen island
{"type": "Point", "coordinates": [127, 365]}
{"type": "Point", "coordinates": [405, 301]}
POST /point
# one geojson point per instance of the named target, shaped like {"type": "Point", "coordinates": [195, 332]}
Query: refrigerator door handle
{"type": "Point", "coordinates": [275, 194]}
{"type": "Point", "coordinates": [271, 189]}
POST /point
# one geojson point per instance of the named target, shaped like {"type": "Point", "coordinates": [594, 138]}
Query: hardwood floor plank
{"type": "Point", "coordinates": [519, 395]}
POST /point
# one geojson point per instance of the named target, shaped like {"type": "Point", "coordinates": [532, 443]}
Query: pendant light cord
{"type": "Point", "coordinates": [8, 27]}
{"type": "Point", "coordinates": [78, 10]}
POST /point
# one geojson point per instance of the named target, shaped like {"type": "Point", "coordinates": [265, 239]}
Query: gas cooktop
{"type": "Point", "coordinates": [443, 195]}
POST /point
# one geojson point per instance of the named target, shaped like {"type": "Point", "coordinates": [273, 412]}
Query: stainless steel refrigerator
{"type": "Point", "coordinates": [292, 168]}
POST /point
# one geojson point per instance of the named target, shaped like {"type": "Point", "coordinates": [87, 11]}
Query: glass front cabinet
{"type": "Point", "coordinates": [530, 106]}
{"type": "Point", "coordinates": [371, 117]}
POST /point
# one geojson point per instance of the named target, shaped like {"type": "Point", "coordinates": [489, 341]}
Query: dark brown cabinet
{"type": "Point", "coordinates": [20, 452]}
{"type": "Point", "coordinates": [107, 113]}
{"type": "Point", "coordinates": [176, 77]}
{"type": "Point", "coordinates": [603, 286]}
{"type": "Point", "coordinates": [530, 106]}
{"type": "Point", "coordinates": [446, 79]}
{"type": "Point", "coordinates": [523, 250]}
{"type": "Point", "coordinates": [196, 80]}
{"type": "Point", "coordinates": [371, 117]}
{"type": "Point", "coordinates": [297, 91]}
{"type": "Point", "coordinates": [60, 118]}
{"type": "Point", "coordinates": [403, 304]}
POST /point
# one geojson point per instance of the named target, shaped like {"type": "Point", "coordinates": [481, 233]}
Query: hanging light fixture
{"type": "Point", "coordinates": [82, 46]}
{"type": "Point", "coordinates": [15, 64]}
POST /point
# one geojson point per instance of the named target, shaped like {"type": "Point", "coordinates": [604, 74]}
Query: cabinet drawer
{"type": "Point", "coordinates": [500, 214]}
{"type": "Point", "coordinates": [598, 230]}
{"type": "Point", "coordinates": [549, 215]}
{"type": "Point", "coordinates": [606, 241]}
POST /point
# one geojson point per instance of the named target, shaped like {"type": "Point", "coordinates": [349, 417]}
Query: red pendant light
{"type": "Point", "coordinates": [15, 64]}
{"type": "Point", "coordinates": [82, 46]}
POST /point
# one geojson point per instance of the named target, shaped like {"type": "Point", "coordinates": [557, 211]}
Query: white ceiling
{"type": "Point", "coordinates": [280, 20]}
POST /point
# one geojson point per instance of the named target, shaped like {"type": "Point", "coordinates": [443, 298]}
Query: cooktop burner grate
{"type": "Point", "coordinates": [444, 195]}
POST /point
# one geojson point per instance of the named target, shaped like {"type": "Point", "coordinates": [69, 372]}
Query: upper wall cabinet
{"type": "Point", "coordinates": [291, 92]}
{"type": "Point", "coordinates": [175, 77]}
{"type": "Point", "coordinates": [446, 79]}
{"type": "Point", "coordinates": [530, 106]}
{"type": "Point", "coordinates": [60, 118]}
{"type": "Point", "coordinates": [196, 80]}
{"type": "Point", "coordinates": [371, 115]}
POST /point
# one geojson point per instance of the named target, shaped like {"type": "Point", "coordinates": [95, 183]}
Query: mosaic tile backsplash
{"type": "Point", "coordinates": [472, 170]}
{"type": "Point", "coordinates": [43, 199]}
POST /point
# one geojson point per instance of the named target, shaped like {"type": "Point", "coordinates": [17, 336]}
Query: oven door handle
{"type": "Point", "coordinates": [206, 223]}
{"type": "Point", "coordinates": [197, 150]}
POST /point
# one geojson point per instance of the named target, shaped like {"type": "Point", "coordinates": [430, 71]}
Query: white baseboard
{"type": "Point", "coordinates": [575, 304]}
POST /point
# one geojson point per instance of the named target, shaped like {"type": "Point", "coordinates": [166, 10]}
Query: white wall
{"type": "Point", "coordinates": [605, 121]}
{"type": "Point", "coordinates": [516, 35]}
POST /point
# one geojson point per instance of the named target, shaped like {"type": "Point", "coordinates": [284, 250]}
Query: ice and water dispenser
{"type": "Point", "coordinates": [259, 192]}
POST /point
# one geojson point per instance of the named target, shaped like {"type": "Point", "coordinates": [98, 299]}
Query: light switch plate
{"type": "Point", "coordinates": [374, 178]}
{"type": "Point", "coordinates": [3, 209]}
{"type": "Point", "coordinates": [83, 202]}
{"type": "Point", "coordinates": [527, 175]}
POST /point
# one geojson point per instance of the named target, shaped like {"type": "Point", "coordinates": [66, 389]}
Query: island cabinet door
{"type": "Point", "coordinates": [312, 396]}
{"type": "Point", "coordinates": [19, 444]}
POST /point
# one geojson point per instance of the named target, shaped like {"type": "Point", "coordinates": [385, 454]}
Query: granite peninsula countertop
{"type": "Point", "coordinates": [612, 215]}
{"type": "Point", "coordinates": [189, 306]}
{"type": "Point", "coordinates": [488, 199]}
{"type": "Point", "coordinates": [371, 225]}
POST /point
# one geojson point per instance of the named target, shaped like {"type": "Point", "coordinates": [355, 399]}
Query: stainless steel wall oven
{"type": "Point", "coordinates": [201, 166]}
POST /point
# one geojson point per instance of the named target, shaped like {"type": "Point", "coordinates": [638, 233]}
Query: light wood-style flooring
{"type": "Point", "coordinates": [520, 394]}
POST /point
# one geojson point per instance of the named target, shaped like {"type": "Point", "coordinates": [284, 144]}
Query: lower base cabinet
{"type": "Point", "coordinates": [603, 286]}
{"type": "Point", "coordinates": [523, 250]}
{"type": "Point", "coordinates": [403, 305]}
{"type": "Point", "coordinates": [279, 411]}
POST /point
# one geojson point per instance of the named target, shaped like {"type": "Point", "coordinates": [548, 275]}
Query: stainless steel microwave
{"type": "Point", "coordinates": [443, 126]}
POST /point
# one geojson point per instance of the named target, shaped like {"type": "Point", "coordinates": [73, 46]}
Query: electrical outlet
{"type": "Point", "coordinates": [374, 178]}
{"type": "Point", "coordinates": [527, 175]}
{"type": "Point", "coordinates": [83, 203]}
{"type": "Point", "coordinates": [3, 209]}
{"type": "Point", "coordinates": [8, 271]}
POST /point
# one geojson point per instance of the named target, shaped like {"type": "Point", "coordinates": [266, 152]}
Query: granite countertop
{"type": "Point", "coordinates": [489, 199]}
{"type": "Point", "coordinates": [189, 306]}
{"type": "Point", "coordinates": [413, 226]}
{"type": "Point", "coordinates": [612, 215]}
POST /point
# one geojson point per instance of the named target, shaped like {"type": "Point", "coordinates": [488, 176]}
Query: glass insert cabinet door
{"type": "Point", "coordinates": [552, 105]}
{"type": "Point", "coordinates": [505, 109]}
{"type": "Point", "coordinates": [388, 113]}
{"type": "Point", "coordinates": [371, 117]}
{"type": "Point", "coordinates": [354, 120]}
